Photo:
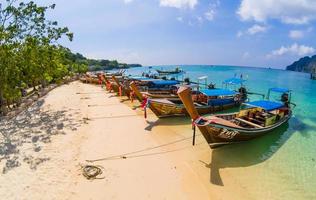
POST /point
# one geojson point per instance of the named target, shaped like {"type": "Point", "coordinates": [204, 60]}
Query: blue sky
{"type": "Point", "coordinates": [261, 33]}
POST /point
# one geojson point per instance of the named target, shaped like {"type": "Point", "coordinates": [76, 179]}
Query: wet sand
{"type": "Point", "coordinates": [43, 149]}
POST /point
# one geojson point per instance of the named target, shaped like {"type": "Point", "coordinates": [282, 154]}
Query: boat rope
{"type": "Point", "coordinates": [132, 96]}
{"type": "Point", "coordinates": [120, 90]}
{"type": "Point", "coordinates": [92, 172]}
{"type": "Point", "coordinates": [145, 105]}
{"type": "Point", "coordinates": [125, 155]}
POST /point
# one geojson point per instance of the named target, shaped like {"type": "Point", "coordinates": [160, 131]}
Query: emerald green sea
{"type": "Point", "coordinates": [280, 165]}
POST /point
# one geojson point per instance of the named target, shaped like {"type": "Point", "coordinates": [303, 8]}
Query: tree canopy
{"type": "Point", "coordinates": [29, 51]}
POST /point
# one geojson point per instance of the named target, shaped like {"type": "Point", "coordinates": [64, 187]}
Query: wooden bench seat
{"type": "Point", "coordinates": [249, 123]}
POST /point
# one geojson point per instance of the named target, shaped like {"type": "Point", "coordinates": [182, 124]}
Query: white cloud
{"type": "Point", "coordinates": [296, 34]}
{"type": "Point", "coordinates": [299, 34]}
{"type": "Point", "coordinates": [179, 3]}
{"type": "Point", "coordinates": [287, 11]}
{"type": "Point", "coordinates": [239, 34]}
{"type": "Point", "coordinates": [256, 29]}
{"type": "Point", "coordinates": [210, 14]}
{"type": "Point", "coordinates": [128, 1]}
{"type": "Point", "coordinates": [295, 49]}
{"type": "Point", "coordinates": [199, 19]}
{"type": "Point", "coordinates": [180, 19]}
{"type": "Point", "coordinates": [252, 30]}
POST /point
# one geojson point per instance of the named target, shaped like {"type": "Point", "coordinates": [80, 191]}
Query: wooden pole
{"type": "Point", "coordinates": [186, 97]}
{"type": "Point", "coordinates": [136, 91]}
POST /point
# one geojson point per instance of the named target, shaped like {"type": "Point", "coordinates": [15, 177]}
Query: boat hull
{"type": "Point", "coordinates": [222, 134]}
{"type": "Point", "coordinates": [164, 109]}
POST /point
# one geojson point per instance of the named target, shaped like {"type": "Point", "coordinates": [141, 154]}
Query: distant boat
{"type": "Point", "coordinates": [177, 70]}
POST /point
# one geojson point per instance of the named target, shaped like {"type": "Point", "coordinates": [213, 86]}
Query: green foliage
{"type": "Point", "coordinates": [29, 52]}
{"type": "Point", "coordinates": [97, 65]}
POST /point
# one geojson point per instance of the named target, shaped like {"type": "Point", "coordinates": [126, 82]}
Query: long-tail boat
{"type": "Point", "coordinates": [253, 120]}
{"type": "Point", "coordinates": [206, 101]}
{"type": "Point", "coordinates": [153, 88]}
{"type": "Point", "coordinates": [122, 88]}
{"type": "Point", "coordinates": [90, 78]}
{"type": "Point", "coordinates": [177, 70]}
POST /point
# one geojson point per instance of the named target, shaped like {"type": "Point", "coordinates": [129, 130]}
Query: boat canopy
{"type": "Point", "coordinates": [165, 82]}
{"type": "Point", "coordinates": [140, 78]}
{"type": "Point", "coordinates": [280, 90]}
{"type": "Point", "coordinates": [189, 86]}
{"type": "Point", "coordinates": [234, 81]}
{"type": "Point", "coordinates": [266, 105]}
{"type": "Point", "coordinates": [218, 92]}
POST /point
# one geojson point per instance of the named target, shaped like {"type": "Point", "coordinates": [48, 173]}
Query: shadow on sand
{"type": "Point", "coordinates": [173, 121]}
{"type": "Point", "coordinates": [32, 128]}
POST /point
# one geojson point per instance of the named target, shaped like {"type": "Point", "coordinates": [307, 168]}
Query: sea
{"type": "Point", "coordinates": [282, 164]}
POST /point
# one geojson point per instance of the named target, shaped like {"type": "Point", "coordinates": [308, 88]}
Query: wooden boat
{"type": "Point", "coordinates": [153, 93]}
{"type": "Point", "coordinates": [206, 101]}
{"type": "Point", "coordinates": [122, 88]}
{"type": "Point", "coordinates": [253, 120]}
{"type": "Point", "coordinates": [89, 78]}
{"type": "Point", "coordinates": [118, 73]}
{"type": "Point", "coordinates": [155, 89]}
{"type": "Point", "coordinates": [166, 72]}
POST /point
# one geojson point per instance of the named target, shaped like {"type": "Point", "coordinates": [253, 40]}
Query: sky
{"type": "Point", "coordinates": [265, 33]}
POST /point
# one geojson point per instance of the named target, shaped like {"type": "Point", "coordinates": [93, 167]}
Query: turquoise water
{"type": "Point", "coordinates": [281, 165]}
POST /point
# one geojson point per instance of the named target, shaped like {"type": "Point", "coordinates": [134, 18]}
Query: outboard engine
{"type": "Point", "coordinates": [285, 99]}
{"type": "Point", "coordinates": [211, 86]}
{"type": "Point", "coordinates": [243, 93]}
{"type": "Point", "coordinates": [187, 81]}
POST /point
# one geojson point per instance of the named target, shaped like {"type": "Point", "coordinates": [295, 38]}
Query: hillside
{"type": "Point", "coordinates": [101, 64]}
{"type": "Point", "coordinates": [304, 64]}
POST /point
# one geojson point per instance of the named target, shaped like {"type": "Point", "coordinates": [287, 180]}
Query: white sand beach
{"type": "Point", "coordinates": [43, 149]}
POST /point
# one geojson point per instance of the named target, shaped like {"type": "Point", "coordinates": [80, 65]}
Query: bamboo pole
{"type": "Point", "coordinates": [137, 92]}
{"type": "Point", "coordinates": [186, 98]}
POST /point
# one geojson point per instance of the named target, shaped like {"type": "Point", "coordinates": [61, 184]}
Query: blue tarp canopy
{"type": "Point", "coordinates": [218, 92]}
{"type": "Point", "coordinates": [280, 90]}
{"type": "Point", "coordinates": [266, 105]}
{"type": "Point", "coordinates": [144, 79]}
{"type": "Point", "coordinates": [165, 82]}
{"type": "Point", "coordinates": [140, 78]}
{"type": "Point", "coordinates": [234, 81]}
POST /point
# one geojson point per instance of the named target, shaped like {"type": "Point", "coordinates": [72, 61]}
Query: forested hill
{"type": "Point", "coordinates": [303, 65]}
{"type": "Point", "coordinates": [96, 65]}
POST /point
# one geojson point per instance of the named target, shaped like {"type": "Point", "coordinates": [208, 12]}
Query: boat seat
{"type": "Point", "coordinates": [249, 123]}
{"type": "Point", "coordinates": [222, 121]}
{"type": "Point", "coordinates": [197, 104]}
{"type": "Point", "coordinates": [203, 103]}
{"type": "Point", "coordinates": [162, 101]}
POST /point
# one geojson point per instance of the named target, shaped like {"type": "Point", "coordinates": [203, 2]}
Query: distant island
{"type": "Point", "coordinates": [305, 64]}
{"type": "Point", "coordinates": [99, 64]}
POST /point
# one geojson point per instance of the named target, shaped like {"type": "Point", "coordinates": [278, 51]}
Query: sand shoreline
{"type": "Point", "coordinates": [43, 150]}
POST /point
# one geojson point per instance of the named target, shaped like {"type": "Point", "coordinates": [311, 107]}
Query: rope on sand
{"type": "Point", "coordinates": [125, 155]}
{"type": "Point", "coordinates": [92, 172]}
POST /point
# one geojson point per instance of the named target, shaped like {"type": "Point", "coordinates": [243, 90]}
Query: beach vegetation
{"type": "Point", "coordinates": [30, 55]}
